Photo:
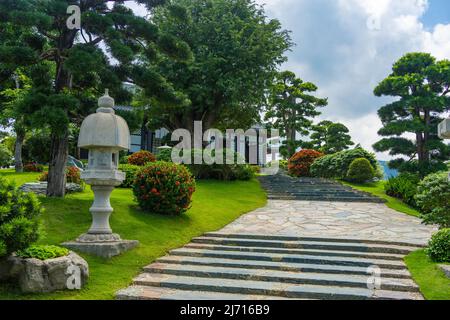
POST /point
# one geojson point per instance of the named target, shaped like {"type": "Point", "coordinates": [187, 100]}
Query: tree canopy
{"type": "Point", "coordinates": [421, 86]}
{"type": "Point", "coordinates": [291, 109]}
{"type": "Point", "coordinates": [69, 67]}
{"type": "Point", "coordinates": [236, 50]}
{"type": "Point", "coordinates": [329, 137]}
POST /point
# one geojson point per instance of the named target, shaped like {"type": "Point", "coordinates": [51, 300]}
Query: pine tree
{"type": "Point", "coordinates": [422, 87]}
{"type": "Point", "coordinates": [291, 109]}
{"type": "Point", "coordinates": [69, 67]}
{"type": "Point", "coordinates": [329, 137]}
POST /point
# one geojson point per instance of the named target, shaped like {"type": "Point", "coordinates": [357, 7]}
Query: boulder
{"type": "Point", "coordinates": [40, 188]}
{"type": "Point", "coordinates": [446, 269]}
{"type": "Point", "coordinates": [38, 276]}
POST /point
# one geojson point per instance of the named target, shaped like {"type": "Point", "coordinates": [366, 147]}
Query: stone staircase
{"type": "Point", "coordinates": [258, 267]}
{"type": "Point", "coordinates": [284, 187]}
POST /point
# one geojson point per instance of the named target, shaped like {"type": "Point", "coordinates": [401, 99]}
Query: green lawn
{"type": "Point", "coordinates": [215, 204]}
{"type": "Point", "coordinates": [433, 283]}
{"type": "Point", "coordinates": [377, 189]}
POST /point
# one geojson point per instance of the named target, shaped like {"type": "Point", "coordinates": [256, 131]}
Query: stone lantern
{"type": "Point", "coordinates": [104, 134]}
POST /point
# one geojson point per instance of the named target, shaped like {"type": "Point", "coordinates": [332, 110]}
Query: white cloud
{"type": "Point", "coordinates": [348, 46]}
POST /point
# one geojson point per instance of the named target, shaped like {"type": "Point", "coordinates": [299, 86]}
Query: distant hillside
{"type": "Point", "coordinates": [388, 173]}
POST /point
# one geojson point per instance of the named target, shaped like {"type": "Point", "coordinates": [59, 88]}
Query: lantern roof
{"type": "Point", "coordinates": [104, 128]}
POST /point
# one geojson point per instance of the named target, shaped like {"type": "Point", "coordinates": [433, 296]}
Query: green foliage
{"type": "Point", "coordinates": [19, 214]}
{"type": "Point", "coordinates": [236, 49]}
{"type": "Point", "coordinates": [439, 246]}
{"type": "Point", "coordinates": [329, 137]}
{"type": "Point", "coordinates": [164, 188]}
{"type": "Point", "coordinates": [5, 156]}
{"type": "Point", "coordinates": [238, 170]}
{"type": "Point", "coordinates": [141, 158]}
{"type": "Point", "coordinates": [164, 155]}
{"type": "Point", "coordinates": [403, 187]}
{"type": "Point", "coordinates": [291, 107]}
{"type": "Point", "coordinates": [37, 147]}
{"type": "Point", "coordinates": [337, 165]}
{"type": "Point", "coordinates": [433, 199]}
{"type": "Point", "coordinates": [130, 174]}
{"type": "Point", "coordinates": [420, 85]}
{"type": "Point", "coordinates": [300, 163]}
{"type": "Point", "coordinates": [43, 252]}
{"type": "Point", "coordinates": [68, 68]}
{"type": "Point", "coordinates": [360, 171]}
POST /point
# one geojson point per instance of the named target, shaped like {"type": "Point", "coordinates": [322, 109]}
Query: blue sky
{"type": "Point", "coordinates": [347, 47]}
{"type": "Point", "coordinates": [438, 12]}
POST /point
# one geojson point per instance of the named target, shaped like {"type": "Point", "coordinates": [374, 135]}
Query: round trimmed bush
{"type": "Point", "coordinates": [433, 199]}
{"type": "Point", "coordinates": [19, 214]}
{"type": "Point", "coordinates": [130, 174]}
{"type": "Point", "coordinates": [300, 163]}
{"type": "Point", "coordinates": [439, 246]}
{"type": "Point", "coordinates": [73, 175]}
{"type": "Point", "coordinates": [141, 158]}
{"type": "Point", "coordinates": [33, 167]}
{"type": "Point", "coordinates": [164, 188]}
{"type": "Point", "coordinates": [165, 155]}
{"type": "Point", "coordinates": [360, 171]}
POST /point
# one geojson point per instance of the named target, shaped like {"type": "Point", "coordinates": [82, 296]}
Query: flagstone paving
{"type": "Point", "coordinates": [294, 248]}
{"type": "Point", "coordinates": [351, 220]}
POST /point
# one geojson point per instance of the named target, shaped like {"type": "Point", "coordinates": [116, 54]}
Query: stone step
{"type": "Point", "coordinates": [282, 266]}
{"type": "Point", "coordinates": [383, 256]}
{"type": "Point", "coordinates": [410, 246]}
{"type": "Point", "coordinates": [251, 287]}
{"type": "Point", "coordinates": [361, 262]}
{"type": "Point", "coordinates": [327, 199]}
{"type": "Point", "coordinates": [158, 293]}
{"type": "Point", "coordinates": [320, 245]}
{"type": "Point", "coordinates": [354, 281]}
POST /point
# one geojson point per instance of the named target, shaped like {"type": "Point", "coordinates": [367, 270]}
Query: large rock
{"type": "Point", "coordinates": [40, 188]}
{"type": "Point", "coordinates": [446, 269]}
{"type": "Point", "coordinates": [37, 276]}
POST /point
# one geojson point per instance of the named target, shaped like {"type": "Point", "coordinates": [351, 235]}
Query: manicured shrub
{"type": "Point", "coordinates": [164, 188]}
{"type": "Point", "coordinates": [243, 172]}
{"type": "Point", "coordinates": [165, 155]}
{"type": "Point", "coordinates": [19, 213]}
{"type": "Point", "coordinates": [337, 165]}
{"type": "Point", "coordinates": [73, 175]}
{"type": "Point", "coordinates": [238, 170]}
{"type": "Point", "coordinates": [141, 158]}
{"type": "Point", "coordinates": [130, 174]}
{"type": "Point", "coordinates": [33, 167]}
{"type": "Point", "coordinates": [360, 171]}
{"type": "Point", "coordinates": [299, 164]}
{"type": "Point", "coordinates": [439, 246]}
{"type": "Point", "coordinates": [403, 187]}
{"type": "Point", "coordinates": [433, 199]}
{"type": "Point", "coordinates": [43, 252]}
{"type": "Point", "coordinates": [284, 165]}
{"type": "Point", "coordinates": [5, 156]}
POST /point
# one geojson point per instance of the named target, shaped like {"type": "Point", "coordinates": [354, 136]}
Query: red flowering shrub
{"type": "Point", "coordinates": [33, 167]}
{"type": "Point", "coordinates": [300, 163]}
{"type": "Point", "coordinates": [73, 175]}
{"type": "Point", "coordinates": [141, 158]}
{"type": "Point", "coordinates": [164, 188]}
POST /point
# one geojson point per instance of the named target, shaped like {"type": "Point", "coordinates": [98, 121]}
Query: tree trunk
{"type": "Point", "coordinates": [18, 150]}
{"type": "Point", "coordinates": [57, 167]}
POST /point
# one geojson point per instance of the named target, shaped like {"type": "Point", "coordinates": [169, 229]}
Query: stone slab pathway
{"type": "Point", "coordinates": [294, 249]}
{"type": "Point", "coordinates": [350, 220]}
